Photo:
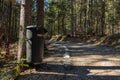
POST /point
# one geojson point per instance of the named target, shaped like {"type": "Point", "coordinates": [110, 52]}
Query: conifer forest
{"type": "Point", "coordinates": [59, 39]}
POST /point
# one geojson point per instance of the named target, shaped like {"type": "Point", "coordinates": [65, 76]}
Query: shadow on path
{"type": "Point", "coordinates": [100, 63]}
{"type": "Point", "coordinates": [69, 72]}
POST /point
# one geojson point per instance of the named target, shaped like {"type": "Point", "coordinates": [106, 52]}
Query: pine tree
{"type": "Point", "coordinates": [25, 20]}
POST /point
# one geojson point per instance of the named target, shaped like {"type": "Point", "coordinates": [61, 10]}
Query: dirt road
{"type": "Point", "coordinates": [77, 61]}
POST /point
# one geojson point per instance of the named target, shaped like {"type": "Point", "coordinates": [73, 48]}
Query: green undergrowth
{"type": "Point", "coordinates": [8, 71]}
{"type": "Point", "coordinates": [21, 66]}
{"type": "Point", "coordinates": [11, 70]}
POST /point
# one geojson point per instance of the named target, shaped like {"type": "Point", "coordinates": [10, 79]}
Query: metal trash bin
{"type": "Point", "coordinates": [34, 44]}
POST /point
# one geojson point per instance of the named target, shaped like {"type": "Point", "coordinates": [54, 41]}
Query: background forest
{"type": "Point", "coordinates": [75, 18]}
{"type": "Point", "coordinates": [88, 17]}
{"type": "Point", "coordinates": [65, 17]}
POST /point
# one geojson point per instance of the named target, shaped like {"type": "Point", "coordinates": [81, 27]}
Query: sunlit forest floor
{"type": "Point", "coordinates": [7, 61]}
{"type": "Point", "coordinates": [74, 60]}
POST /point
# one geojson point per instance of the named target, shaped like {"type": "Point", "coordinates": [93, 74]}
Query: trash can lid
{"type": "Point", "coordinates": [31, 27]}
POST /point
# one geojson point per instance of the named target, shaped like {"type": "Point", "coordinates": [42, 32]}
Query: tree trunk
{"type": "Point", "coordinates": [0, 14]}
{"type": "Point", "coordinates": [72, 19]}
{"type": "Point", "coordinates": [58, 26]}
{"type": "Point", "coordinates": [25, 20]}
{"type": "Point", "coordinates": [8, 26]}
{"type": "Point", "coordinates": [103, 18]}
{"type": "Point", "coordinates": [0, 20]}
{"type": "Point", "coordinates": [63, 25]}
{"type": "Point", "coordinates": [40, 23]}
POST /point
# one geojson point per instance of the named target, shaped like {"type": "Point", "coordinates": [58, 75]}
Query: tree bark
{"type": "Point", "coordinates": [8, 26]}
{"type": "Point", "coordinates": [72, 19]}
{"type": "Point", "coordinates": [103, 18]}
{"type": "Point", "coordinates": [40, 23]}
{"type": "Point", "coordinates": [25, 20]}
{"type": "Point", "coordinates": [1, 21]}
{"type": "Point", "coordinates": [0, 14]}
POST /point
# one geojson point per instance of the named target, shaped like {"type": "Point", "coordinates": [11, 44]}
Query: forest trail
{"type": "Point", "coordinates": [77, 61]}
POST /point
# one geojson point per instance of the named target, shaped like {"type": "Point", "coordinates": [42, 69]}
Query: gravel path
{"type": "Point", "coordinates": [77, 61]}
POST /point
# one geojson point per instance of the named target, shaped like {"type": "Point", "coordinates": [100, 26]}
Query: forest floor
{"type": "Point", "coordinates": [8, 60]}
{"type": "Point", "coordinates": [69, 60]}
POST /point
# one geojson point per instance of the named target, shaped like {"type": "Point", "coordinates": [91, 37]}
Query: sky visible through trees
{"type": "Point", "coordinates": [44, 0]}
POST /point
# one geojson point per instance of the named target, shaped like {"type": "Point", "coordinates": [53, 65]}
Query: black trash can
{"type": "Point", "coordinates": [34, 44]}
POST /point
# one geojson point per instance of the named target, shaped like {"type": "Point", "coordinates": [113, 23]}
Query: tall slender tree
{"type": "Point", "coordinates": [103, 18]}
{"type": "Point", "coordinates": [72, 18]}
{"type": "Point", "coordinates": [0, 13]}
{"type": "Point", "coordinates": [0, 19]}
{"type": "Point", "coordinates": [25, 20]}
{"type": "Point", "coordinates": [9, 3]}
